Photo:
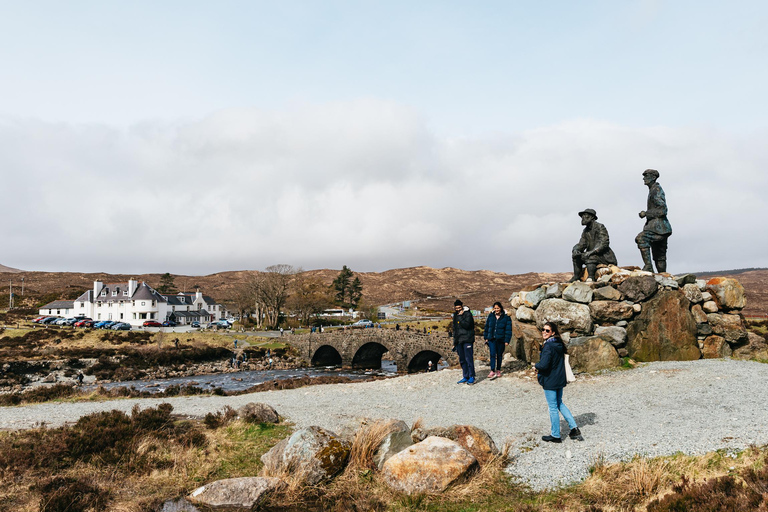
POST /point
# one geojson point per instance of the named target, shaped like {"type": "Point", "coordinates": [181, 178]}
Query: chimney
{"type": "Point", "coordinates": [132, 285]}
{"type": "Point", "coordinates": [97, 286]}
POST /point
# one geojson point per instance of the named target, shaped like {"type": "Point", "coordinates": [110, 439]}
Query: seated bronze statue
{"type": "Point", "coordinates": [593, 247]}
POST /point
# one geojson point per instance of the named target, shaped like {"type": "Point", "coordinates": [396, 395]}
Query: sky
{"type": "Point", "coordinates": [196, 137]}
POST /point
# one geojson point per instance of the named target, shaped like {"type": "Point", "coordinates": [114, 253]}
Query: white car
{"type": "Point", "coordinates": [363, 323]}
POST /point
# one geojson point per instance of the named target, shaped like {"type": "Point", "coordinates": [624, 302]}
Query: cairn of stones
{"type": "Point", "coordinates": [631, 313]}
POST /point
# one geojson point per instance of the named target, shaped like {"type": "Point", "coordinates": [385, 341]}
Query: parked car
{"type": "Point", "coordinates": [60, 321]}
{"type": "Point", "coordinates": [100, 324]}
{"type": "Point", "coordinates": [89, 323]}
{"type": "Point", "coordinates": [82, 322]}
{"type": "Point", "coordinates": [152, 323]}
{"type": "Point", "coordinates": [39, 319]}
{"type": "Point", "coordinates": [169, 323]}
{"type": "Point", "coordinates": [49, 320]}
{"type": "Point", "coordinates": [69, 321]}
{"type": "Point", "coordinates": [121, 326]}
{"type": "Point", "coordinates": [363, 323]}
{"type": "Point", "coordinates": [195, 324]}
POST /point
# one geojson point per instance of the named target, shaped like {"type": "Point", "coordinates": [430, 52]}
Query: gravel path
{"type": "Point", "coordinates": [658, 409]}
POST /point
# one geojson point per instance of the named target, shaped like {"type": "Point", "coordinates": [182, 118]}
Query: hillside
{"type": "Point", "coordinates": [478, 289]}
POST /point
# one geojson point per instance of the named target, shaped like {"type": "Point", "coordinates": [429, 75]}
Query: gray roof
{"type": "Point", "coordinates": [145, 292]}
{"type": "Point", "coordinates": [86, 297]}
{"type": "Point", "coordinates": [59, 304]}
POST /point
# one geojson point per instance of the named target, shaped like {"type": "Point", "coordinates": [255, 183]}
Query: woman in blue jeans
{"type": "Point", "coordinates": [497, 333]}
{"type": "Point", "coordinates": [551, 375]}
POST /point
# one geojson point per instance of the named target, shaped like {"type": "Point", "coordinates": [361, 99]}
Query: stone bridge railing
{"type": "Point", "coordinates": [363, 348]}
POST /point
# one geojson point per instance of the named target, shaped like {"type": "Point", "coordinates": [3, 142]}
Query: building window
{"type": "Point", "coordinates": [153, 303]}
{"type": "Point", "coordinates": [104, 293]}
{"type": "Point", "coordinates": [143, 303]}
{"type": "Point", "coordinates": [98, 316]}
{"type": "Point", "coordinates": [125, 292]}
{"type": "Point", "coordinates": [114, 293]}
{"type": "Point", "coordinates": [152, 316]}
{"type": "Point", "coordinates": [121, 316]}
{"type": "Point", "coordinates": [142, 316]}
{"type": "Point", "coordinates": [133, 303]}
{"type": "Point", "coordinates": [134, 316]}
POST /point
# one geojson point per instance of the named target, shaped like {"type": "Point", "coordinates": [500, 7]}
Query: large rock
{"type": "Point", "coordinates": [428, 467]}
{"type": "Point", "coordinates": [243, 492]}
{"type": "Point", "coordinates": [692, 293]}
{"type": "Point", "coordinates": [638, 288]}
{"type": "Point", "coordinates": [527, 339]}
{"type": "Point", "coordinates": [533, 298]}
{"type": "Point", "coordinates": [709, 306]}
{"type": "Point", "coordinates": [698, 314]}
{"type": "Point", "coordinates": [728, 293]}
{"type": "Point", "coordinates": [525, 314]}
{"type": "Point", "coordinates": [569, 316]}
{"type": "Point", "coordinates": [729, 327]}
{"type": "Point", "coordinates": [592, 353]}
{"type": "Point", "coordinates": [685, 279]}
{"type": "Point", "coordinates": [607, 293]}
{"type": "Point", "coordinates": [610, 311]}
{"type": "Point", "coordinates": [616, 335]}
{"type": "Point", "coordinates": [554, 291]}
{"type": "Point", "coordinates": [396, 439]}
{"type": "Point", "coordinates": [578, 292]}
{"type": "Point", "coordinates": [756, 348]}
{"type": "Point", "coordinates": [715, 347]}
{"type": "Point", "coordinates": [257, 412]}
{"type": "Point", "coordinates": [473, 439]}
{"type": "Point", "coordinates": [664, 331]}
{"type": "Point", "coordinates": [310, 456]}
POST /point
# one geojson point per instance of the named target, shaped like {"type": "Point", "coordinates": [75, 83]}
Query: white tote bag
{"type": "Point", "coordinates": [569, 376]}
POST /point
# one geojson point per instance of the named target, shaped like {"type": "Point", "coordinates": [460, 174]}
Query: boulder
{"type": "Point", "coordinates": [569, 316]}
{"type": "Point", "coordinates": [639, 288]}
{"type": "Point", "coordinates": [728, 293]}
{"type": "Point", "coordinates": [515, 301]}
{"type": "Point", "coordinates": [664, 331]}
{"type": "Point", "coordinates": [578, 292]}
{"type": "Point", "coordinates": [243, 492]}
{"type": "Point", "coordinates": [714, 347]}
{"type": "Point", "coordinates": [703, 329]}
{"type": "Point", "coordinates": [533, 298]}
{"type": "Point", "coordinates": [428, 467]}
{"type": "Point", "coordinates": [620, 276]}
{"type": "Point", "coordinates": [692, 293]}
{"type": "Point", "coordinates": [473, 439]}
{"type": "Point", "coordinates": [706, 296]}
{"type": "Point", "coordinates": [527, 338]}
{"type": "Point", "coordinates": [525, 314]}
{"type": "Point", "coordinates": [698, 314]}
{"type": "Point", "coordinates": [310, 456]}
{"type": "Point", "coordinates": [610, 311]}
{"type": "Point", "coordinates": [702, 284]}
{"type": "Point", "coordinates": [667, 282]}
{"type": "Point", "coordinates": [256, 412]}
{"type": "Point", "coordinates": [729, 327]}
{"type": "Point", "coordinates": [616, 335]}
{"type": "Point", "coordinates": [592, 353]}
{"type": "Point", "coordinates": [709, 306]}
{"type": "Point", "coordinates": [397, 439]}
{"type": "Point", "coordinates": [685, 279]}
{"type": "Point", "coordinates": [756, 348]}
{"type": "Point", "coordinates": [554, 291]}
{"type": "Point", "coordinates": [606, 293]}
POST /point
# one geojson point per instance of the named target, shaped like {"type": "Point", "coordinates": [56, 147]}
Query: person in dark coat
{"type": "Point", "coordinates": [464, 341]}
{"type": "Point", "coordinates": [497, 333]}
{"type": "Point", "coordinates": [551, 375]}
{"type": "Point", "coordinates": [657, 228]}
{"type": "Point", "coordinates": [593, 248]}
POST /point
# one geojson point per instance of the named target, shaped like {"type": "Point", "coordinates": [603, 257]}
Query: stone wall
{"type": "Point", "coordinates": [630, 313]}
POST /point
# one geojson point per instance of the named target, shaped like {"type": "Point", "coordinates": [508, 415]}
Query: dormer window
{"type": "Point", "coordinates": [104, 293]}
{"type": "Point", "coordinates": [181, 299]}
{"type": "Point", "coordinates": [114, 293]}
{"type": "Point", "coordinates": [125, 292]}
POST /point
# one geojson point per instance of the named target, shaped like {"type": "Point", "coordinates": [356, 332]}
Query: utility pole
{"type": "Point", "coordinates": [10, 296]}
{"type": "Point", "coordinates": [22, 286]}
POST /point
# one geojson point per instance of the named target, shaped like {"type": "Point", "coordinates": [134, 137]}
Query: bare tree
{"type": "Point", "coordinates": [272, 289]}
{"type": "Point", "coordinates": [309, 297]}
{"type": "Point", "coordinates": [245, 301]}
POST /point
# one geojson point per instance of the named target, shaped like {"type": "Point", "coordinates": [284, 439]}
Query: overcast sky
{"type": "Point", "coordinates": [195, 137]}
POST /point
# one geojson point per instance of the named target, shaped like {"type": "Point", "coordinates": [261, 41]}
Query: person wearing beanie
{"type": "Point", "coordinates": [464, 341]}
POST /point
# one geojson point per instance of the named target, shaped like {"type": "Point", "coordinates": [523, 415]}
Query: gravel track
{"type": "Point", "coordinates": [659, 408]}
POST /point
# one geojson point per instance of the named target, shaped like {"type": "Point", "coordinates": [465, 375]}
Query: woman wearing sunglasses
{"type": "Point", "coordinates": [551, 375]}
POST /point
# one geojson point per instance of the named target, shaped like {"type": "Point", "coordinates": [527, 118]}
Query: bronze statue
{"type": "Point", "coordinates": [593, 247]}
{"type": "Point", "coordinates": [653, 238]}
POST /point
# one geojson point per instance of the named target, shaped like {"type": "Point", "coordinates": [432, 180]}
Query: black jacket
{"type": "Point", "coordinates": [551, 366]}
{"type": "Point", "coordinates": [463, 327]}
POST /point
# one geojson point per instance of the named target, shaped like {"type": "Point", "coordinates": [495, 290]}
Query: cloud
{"type": "Point", "coordinates": [365, 183]}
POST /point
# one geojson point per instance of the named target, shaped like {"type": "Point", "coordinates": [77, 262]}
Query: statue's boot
{"type": "Point", "coordinates": [591, 271]}
{"type": "Point", "coordinates": [661, 265]}
{"type": "Point", "coordinates": [648, 263]}
{"type": "Point", "coordinates": [576, 272]}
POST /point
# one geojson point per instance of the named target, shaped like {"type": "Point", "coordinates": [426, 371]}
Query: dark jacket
{"type": "Point", "coordinates": [595, 238]}
{"type": "Point", "coordinates": [499, 330]}
{"type": "Point", "coordinates": [656, 212]}
{"type": "Point", "coordinates": [463, 327]}
{"type": "Point", "coordinates": [551, 366]}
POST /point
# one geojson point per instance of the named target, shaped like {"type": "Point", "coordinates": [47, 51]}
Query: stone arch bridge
{"type": "Point", "coordinates": [363, 348]}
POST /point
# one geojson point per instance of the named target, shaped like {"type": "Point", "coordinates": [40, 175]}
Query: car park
{"type": "Point", "coordinates": [152, 323]}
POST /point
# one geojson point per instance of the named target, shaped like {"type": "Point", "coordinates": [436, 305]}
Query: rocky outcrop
{"type": "Point", "coordinates": [756, 348]}
{"type": "Point", "coordinates": [311, 455]}
{"type": "Point", "coordinates": [256, 412]}
{"type": "Point", "coordinates": [592, 353]}
{"type": "Point", "coordinates": [428, 467]}
{"type": "Point", "coordinates": [244, 492]}
{"type": "Point", "coordinates": [729, 327]}
{"type": "Point", "coordinates": [664, 331]}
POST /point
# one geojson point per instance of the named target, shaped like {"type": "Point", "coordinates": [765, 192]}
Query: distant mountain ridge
{"type": "Point", "coordinates": [10, 270]}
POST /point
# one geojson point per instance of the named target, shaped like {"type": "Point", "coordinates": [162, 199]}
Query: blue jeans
{"type": "Point", "coordinates": [556, 407]}
{"type": "Point", "coordinates": [466, 352]}
{"type": "Point", "coordinates": [496, 348]}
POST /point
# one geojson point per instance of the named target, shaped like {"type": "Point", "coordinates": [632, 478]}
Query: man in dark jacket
{"type": "Point", "coordinates": [464, 341]}
{"type": "Point", "coordinates": [593, 247]}
{"type": "Point", "coordinates": [657, 229]}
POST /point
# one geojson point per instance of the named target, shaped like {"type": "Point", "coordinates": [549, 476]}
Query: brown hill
{"type": "Point", "coordinates": [433, 289]}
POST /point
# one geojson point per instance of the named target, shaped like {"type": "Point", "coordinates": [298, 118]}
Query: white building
{"type": "Point", "coordinates": [136, 303]}
{"type": "Point", "coordinates": [63, 308]}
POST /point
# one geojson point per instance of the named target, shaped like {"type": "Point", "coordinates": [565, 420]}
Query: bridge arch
{"type": "Point", "coordinates": [326, 355]}
{"type": "Point", "coordinates": [368, 356]}
{"type": "Point", "coordinates": [419, 362]}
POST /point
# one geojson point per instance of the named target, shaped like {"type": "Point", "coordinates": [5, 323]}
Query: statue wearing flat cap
{"type": "Point", "coordinates": [593, 247]}
{"type": "Point", "coordinates": [652, 241]}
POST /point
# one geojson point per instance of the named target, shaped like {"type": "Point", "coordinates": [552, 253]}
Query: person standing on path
{"type": "Point", "coordinates": [464, 341]}
{"type": "Point", "coordinates": [551, 375]}
{"type": "Point", "coordinates": [497, 333]}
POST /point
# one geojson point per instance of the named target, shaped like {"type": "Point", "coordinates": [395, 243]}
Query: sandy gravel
{"type": "Point", "coordinates": [657, 409]}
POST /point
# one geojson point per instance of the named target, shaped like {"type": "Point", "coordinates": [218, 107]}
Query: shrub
{"type": "Point", "coordinates": [65, 494]}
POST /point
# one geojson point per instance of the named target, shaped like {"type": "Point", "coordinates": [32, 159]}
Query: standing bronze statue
{"type": "Point", "coordinates": [593, 247]}
{"type": "Point", "coordinates": [653, 239]}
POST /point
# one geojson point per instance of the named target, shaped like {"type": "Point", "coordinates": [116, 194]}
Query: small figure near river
{"type": "Point", "coordinates": [593, 248]}
{"type": "Point", "coordinates": [652, 241]}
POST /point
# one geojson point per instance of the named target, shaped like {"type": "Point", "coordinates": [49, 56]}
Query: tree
{"type": "Point", "coordinates": [166, 284]}
{"type": "Point", "coordinates": [271, 289]}
{"type": "Point", "coordinates": [309, 297]}
{"type": "Point", "coordinates": [348, 291]}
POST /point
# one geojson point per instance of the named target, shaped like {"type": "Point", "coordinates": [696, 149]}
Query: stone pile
{"type": "Point", "coordinates": [631, 313]}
